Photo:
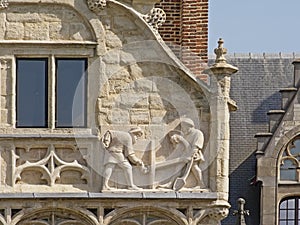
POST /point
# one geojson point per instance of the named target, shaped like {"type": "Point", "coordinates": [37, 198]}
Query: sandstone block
{"type": "Point", "coordinates": [156, 102]}
{"type": "Point", "coordinates": [112, 40]}
{"type": "Point", "coordinates": [139, 117]}
{"type": "Point", "coordinates": [117, 116]}
{"type": "Point", "coordinates": [36, 31]}
{"type": "Point", "coordinates": [26, 17]}
{"type": "Point", "coordinates": [14, 31]}
{"type": "Point", "coordinates": [56, 31]}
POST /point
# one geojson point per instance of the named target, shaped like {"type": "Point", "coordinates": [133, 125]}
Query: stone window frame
{"type": "Point", "coordinates": [288, 155]}
{"type": "Point", "coordinates": [68, 50]}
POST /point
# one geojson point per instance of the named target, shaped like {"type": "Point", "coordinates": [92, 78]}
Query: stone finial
{"type": "Point", "coordinates": [96, 5]}
{"type": "Point", "coordinates": [221, 67]}
{"type": "Point", "coordinates": [241, 212]}
{"type": "Point", "coordinates": [220, 52]}
{"type": "Point", "coordinates": [3, 4]}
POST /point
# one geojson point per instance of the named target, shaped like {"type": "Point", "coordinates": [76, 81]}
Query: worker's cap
{"type": "Point", "coordinates": [173, 132]}
{"type": "Point", "coordinates": [187, 121]}
{"type": "Point", "coordinates": [136, 131]}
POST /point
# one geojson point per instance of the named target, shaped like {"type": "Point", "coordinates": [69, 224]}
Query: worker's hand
{"type": "Point", "coordinates": [135, 160]}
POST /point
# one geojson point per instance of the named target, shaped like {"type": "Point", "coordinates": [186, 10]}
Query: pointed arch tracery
{"type": "Point", "coordinates": [289, 161]}
{"type": "Point", "coordinates": [60, 216]}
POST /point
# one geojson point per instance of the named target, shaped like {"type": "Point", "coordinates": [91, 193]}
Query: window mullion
{"type": "Point", "coordinates": [14, 93]}
{"type": "Point", "coordinates": [51, 93]}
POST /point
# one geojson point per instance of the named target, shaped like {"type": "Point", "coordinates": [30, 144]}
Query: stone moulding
{"type": "Point", "coordinates": [96, 5]}
{"type": "Point", "coordinates": [155, 18]}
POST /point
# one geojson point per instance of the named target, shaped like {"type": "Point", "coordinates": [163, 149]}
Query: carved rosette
{"type": "Point", "coordinates": [155, 18]}
{"type": "Point", "coordinates": [218, 213]}
{"type": "Point", "coordinates": [3, 4]}
{"type": "Point", "coordinates": [96, 5]}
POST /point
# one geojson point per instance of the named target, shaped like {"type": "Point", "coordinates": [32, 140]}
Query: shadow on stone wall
{"type": "Point", "coordinates": [244, 175]}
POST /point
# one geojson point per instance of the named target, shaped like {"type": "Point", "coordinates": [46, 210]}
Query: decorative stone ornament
{"type": "Point", "coordinates": [3, 4]}
{"type": "Point", "coordinates": [218, 213]}
{"type": "Point", "coordinates": [220, 52]}
{"type": "Point", "coordinates": [156, 18]}
{"type": "Point", "coordinates": [241, 212]}
{"type": "Point", "coordinates": [96, 5]}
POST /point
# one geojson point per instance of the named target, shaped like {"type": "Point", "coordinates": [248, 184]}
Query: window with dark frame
{"type": "Point", "coordinates": [70, 93]}
{"type": "Point", "coordinates": [32, 92]}
{"type": "Point", "coordinates": [289, 211]}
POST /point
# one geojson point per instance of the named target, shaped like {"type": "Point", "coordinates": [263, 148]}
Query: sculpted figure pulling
{"type": "Point", "coordinates": [119, 151]}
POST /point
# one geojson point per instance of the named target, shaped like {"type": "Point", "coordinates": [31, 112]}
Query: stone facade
{"type": "Point", "coordinates": [276, 148]}
{"type": "Point", "coordinates": [55, 174]}
{"type": "Point", "coordinates": [266, 94]}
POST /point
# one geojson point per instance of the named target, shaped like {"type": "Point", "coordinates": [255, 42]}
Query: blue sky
{"type": "Point", "coordinates": [255, 26]}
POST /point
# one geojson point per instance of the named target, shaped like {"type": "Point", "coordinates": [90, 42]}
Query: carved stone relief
{"type": "Point", "coordinates": [3, 4]}
{"type": "Point", "coordinates": [49, 165]}
{"type": "Point", "coordinates": [218, 213]}
{"type": "Point", "coordinates": [156, 18]}
{"type": "Point", "coordinates": [186, 154]}
{"type": "Point", "coordinates": [96, 5]}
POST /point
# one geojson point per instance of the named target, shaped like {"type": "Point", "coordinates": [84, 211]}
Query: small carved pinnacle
{"type": "Point", "coordinates": [220, 52]}
{"type": "Point", "coordinates": [241, 212]}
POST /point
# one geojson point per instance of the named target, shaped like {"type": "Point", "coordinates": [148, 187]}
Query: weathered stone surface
{"type": "Point", "coordinates": [14, 31]}
{"type": "Point", "coordinates": [112, 40]}
{"type": "Point", "coordinates": [132, 81]}
{"type": "Point", "coordinates": [36, 31]}
{"type": "Point", "coordinates": [139, 117]}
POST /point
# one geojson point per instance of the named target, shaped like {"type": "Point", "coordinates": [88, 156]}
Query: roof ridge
{"type": "Point", "coordinates": [263, 55]}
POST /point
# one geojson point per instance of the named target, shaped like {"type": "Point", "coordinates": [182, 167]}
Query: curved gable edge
{"type": "Point", "coordinates": [164, 47]}
{"type": "Point", "coordinates": [172, 59]}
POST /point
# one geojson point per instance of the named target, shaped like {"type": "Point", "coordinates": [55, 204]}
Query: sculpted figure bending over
{"type": "Point", "coordinates": [192, 140]}
{"type": "Point", "coordinates": [195, 139]}
{"type": "Point", "coordinates": [119, 151]}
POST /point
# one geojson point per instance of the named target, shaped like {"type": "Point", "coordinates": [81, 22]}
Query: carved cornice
{"type": "Point", "coordinates": [96, 5]}
{"type": "Point", "coordinates": [155, 18]}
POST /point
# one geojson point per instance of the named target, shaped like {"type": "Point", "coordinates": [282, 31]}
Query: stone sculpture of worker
{"type": "Point", "coordinates": [119, 151]}
{"type": "Point", "coordinates": [195, 140]}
